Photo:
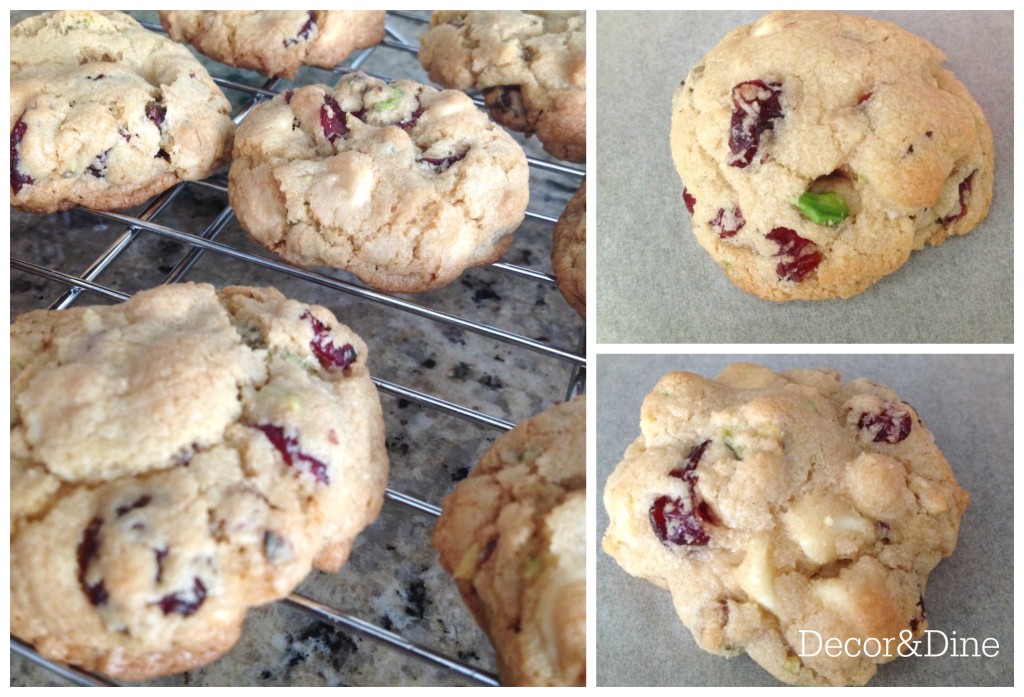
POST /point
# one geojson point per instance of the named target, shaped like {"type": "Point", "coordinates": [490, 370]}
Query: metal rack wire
{"type": "Point", "coordinates": [143, 229]}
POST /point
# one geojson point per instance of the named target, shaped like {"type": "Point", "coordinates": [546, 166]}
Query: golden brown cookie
{"type": "Point", "coordinates": [569, 251]}
{"type": "Point", "coordinates": [513, 535]}
{"type": "Point", "coordinates": [531, 66]}
{"type": "Point", "coordinates": [177, 459]}
{"type": "Point", "coordinates": [106, 114]}
{"type": "Point", "coordinates": [817, 150]}
{"type": "Point", "coordinates": [783, 511]}
{"type": "Point", "coordinates": [276, 42]}
{"type": "Point", "coordinates": [401, 184]}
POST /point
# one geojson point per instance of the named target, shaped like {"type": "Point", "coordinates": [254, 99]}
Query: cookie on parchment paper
{"type": "Point", "coordinates": [817, 150]}
{"type": "Point", "coordinates": [771, 505]}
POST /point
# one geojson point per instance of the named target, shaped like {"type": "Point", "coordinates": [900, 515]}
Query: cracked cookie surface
{"type": "Point", "coordinates": [531, 66]}
{"type": "Point", "coordinates": [177, 459]}
{"type": "Point", "coordinates": [276, 42]}
{"type": "Point", "coordinates": [513, 536]}
{"type": "Point", "coordinates": [817, 150]}
{"type": "Point", "coordinates": [401, 184]}
{"type": "Point", "coordinates": [774, 503]}
{"type": "Point", "coordinates": [106, 114]}
{"type": "Point", "coordinates": [569, 251]}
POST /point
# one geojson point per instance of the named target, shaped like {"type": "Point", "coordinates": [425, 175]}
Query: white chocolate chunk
{"type": "Point", "coordinates": [824, 527]}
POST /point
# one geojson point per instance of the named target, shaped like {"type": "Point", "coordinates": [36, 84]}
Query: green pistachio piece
{"type": "Point", "coordinates": [532, 567]}
{"type": "Point", "coordinates": [823, 209]}
{"type": "Point", "coordinates": [737, 451]}
{"type": "Point", "coordinates": [391, 102]}
{"type": "Point", "coordinates": [292, 358]}
{"type": "Point", "coordinates": [467, 565]}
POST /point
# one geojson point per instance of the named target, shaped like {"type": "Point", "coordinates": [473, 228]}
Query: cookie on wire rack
{"type": "Point", "coordinates": [177, 459]}
{"type": "Point", "coordinates": [569, 251]}
{"type": "Point", "coordinates": [530, 65]}
{"type": "Point", "coordinates": [401, 184]}
{"type": "Point", "coordinates": [276, 42]}
{"type": "Point", "coordinates": [106, 114]}
{"type": "Point", "coordinates": [513, 536]}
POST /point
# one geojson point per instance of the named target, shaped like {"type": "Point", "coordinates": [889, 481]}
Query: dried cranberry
{"type": "Point", "coordinates": [156, 112]}
{"type": "Point", "coordinates": [183, 604]}
{"type": "Point", "coordinates": [163, 155]}
{"type": "Point", "coordinates": [288, 96]}
{"type": "Point", "coordinates": [891, 425]}
{"type": "Point", "coordinates": [304, 32]}
{"type": "Point", "coordinates": [326, 352]}
{"type": "Point", "coordinates": [140, 502]}
{"type": "Point", "coordinates": [88, 549]}
{"type": "Point", "coordinates": [125, 133]}
{"type": "Point", "coordinates": [728, 224]}
{"type": "Point", "coordinates": [97, 77]}
{"type": "Point", "coordinates": [865, 97]}
{"type": "Point", "coordinates": [289, 449]}
{"type": "Point", "coordinates": [689, 200]}
{"type": "Point", "coordinates": [488, 551]}
{"type": "Point", "coordinates": [755, 108]}
{"type": "Point", "coordinates": [965, 195]}
{"type": "Point", "coordinates": [161, 555]}
{"type": "Point", "coordinates": [670, 520]}
{"type": "Point", "coordinates": [804, 254]}
{"type": "Point", "coordinates": [309, 26]}
{"type": "Point", "coordinates": [413, 119]}
{"type": "Point", "coordinates": [98, 168]}
{"type": "Point", "coordinates": [673, 523]}
{"type": "Point", "coordinates": [18, 178]}
{"type": "Point", "coordinates": [332, 119]}
{"type": "Point", "coordinates": [440, 164]}
{"type": "Point", "coordinates": [686, 472]}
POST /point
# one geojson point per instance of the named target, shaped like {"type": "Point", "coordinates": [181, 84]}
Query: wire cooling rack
{"type": "Point", "coordinates": [455, 368]}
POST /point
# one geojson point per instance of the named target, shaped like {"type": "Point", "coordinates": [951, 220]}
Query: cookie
{"type": "Point", "coordinates": [569, 251]}
{"type": "Point", "coordinates": [177, 459]}
{"type": "Point", "coordinates": [817, 150]}
{"type": "Point", "coordinates": [531, 66]}
{"type": "Point", "coordinates": [776, 506]}
{"type": "Point", "coordinates": [513, 535]}
{"type": "Point", "coordinates": [276, 42]}
{"type": "Point", "coordinates": [106, 114]}
{"type": "Point", "coordinates": [401, 184]}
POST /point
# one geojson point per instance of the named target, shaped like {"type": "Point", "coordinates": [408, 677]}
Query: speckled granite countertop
{"type": "Point", "coordinates": [392, 579]}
